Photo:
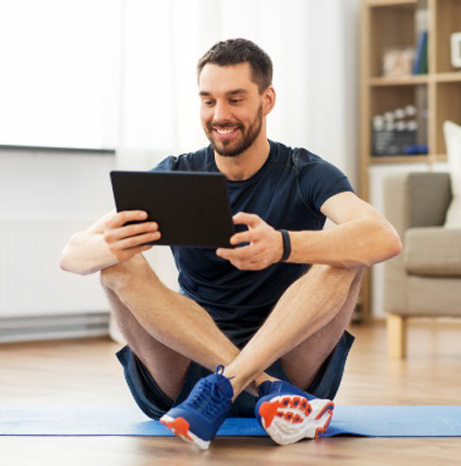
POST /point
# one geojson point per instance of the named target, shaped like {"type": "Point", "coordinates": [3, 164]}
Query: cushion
{"type": "Point", "coordinates": [452, 134]}
{"type": "Point", "coordinates": [433, 251]}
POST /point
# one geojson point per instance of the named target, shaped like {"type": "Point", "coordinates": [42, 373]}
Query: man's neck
{"type": "Point", "coordinates": [246, 164]}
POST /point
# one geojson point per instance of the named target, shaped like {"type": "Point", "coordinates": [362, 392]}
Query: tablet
{"type": "Point", "coordinates": [191, 208]}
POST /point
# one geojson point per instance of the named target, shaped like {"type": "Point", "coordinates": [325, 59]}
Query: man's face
{"type": "Point", "coordinates": [231, 108]}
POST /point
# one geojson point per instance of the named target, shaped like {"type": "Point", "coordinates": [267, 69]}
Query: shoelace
{"type": "Point", "coordinates": [207, 390]}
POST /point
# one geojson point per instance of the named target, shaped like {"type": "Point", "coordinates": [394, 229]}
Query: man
{"type": "Point", "coordinates": [272, 324]}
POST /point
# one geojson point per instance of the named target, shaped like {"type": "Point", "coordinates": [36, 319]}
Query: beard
{"type": "Point", "coordinates": [232, 148]}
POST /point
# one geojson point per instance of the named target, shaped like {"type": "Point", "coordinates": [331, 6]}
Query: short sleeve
{"type": "Point", "coordinates": [319, 180]}
{"type": "Point", "coordinates": [166, 165]}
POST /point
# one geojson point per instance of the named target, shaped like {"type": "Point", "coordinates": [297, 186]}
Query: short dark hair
{"type": "Point", "coordinates": [235, 51]}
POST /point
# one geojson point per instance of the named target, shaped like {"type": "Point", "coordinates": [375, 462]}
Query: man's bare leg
{"type": "Point", "coordinates": [164, 329]}
{"type": "Point", "coordinates": [167, 367]}
{"type": "Point", "coordinates": [303, 328]}
{"type": "Point", "coordinates": [302, 363]}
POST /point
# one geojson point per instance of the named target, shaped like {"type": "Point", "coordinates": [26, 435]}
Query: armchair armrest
{"type": "Point", "coordinates": [410, 200]}
{"type": "Point", "coordinates": [416, 199]}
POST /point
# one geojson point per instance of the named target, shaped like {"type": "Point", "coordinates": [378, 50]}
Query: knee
{"type": "Point", "coordinates": [125, 274]}
{"type": "Point", "coordinates": [340, 273]}
{"type": "Point", "coordinates": [113, 277]}
{"type": "Point", "coordinates": [342, 280]}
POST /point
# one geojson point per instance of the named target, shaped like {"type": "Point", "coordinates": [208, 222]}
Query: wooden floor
{"type": "Point", "coordinates": [85, 372]}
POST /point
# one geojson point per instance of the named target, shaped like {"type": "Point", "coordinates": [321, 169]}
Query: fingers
{"type": "Point", "coordinates": [244, 262]}
{"type": "Point", "coordinates": [252, 220]}
{"type": "Point", "coordinates": [263, 244]}
{"type": "Point", "coordinates": [135, 241]}
{"type": "Point", "coordinates": [130, 230]}
{"type": "Point", "coordinates": [245, 258]}
{"type": "Point", "coordinates": [127, 254]}
{"type": "Point", "coordinates": [234, 254]}
{"type": "Point", "coordinates": [243, 237]}
{"type": "Point", "coordinates": [120, 218]}
{"type": "Point", "coordinates": [126, 248]}
{"type": "Point", "coordinates": [117, 228]}
{"type": "Point", "coordinates": [125, 241]}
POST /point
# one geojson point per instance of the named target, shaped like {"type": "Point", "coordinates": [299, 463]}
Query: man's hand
{"type": "Point", "coordinates": [125, 241]}
{"type": "Point", "coordinates": [265, 248]}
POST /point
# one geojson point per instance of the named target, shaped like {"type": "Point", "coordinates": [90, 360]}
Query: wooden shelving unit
{"type": "Point", "coordinates": [436, 95]}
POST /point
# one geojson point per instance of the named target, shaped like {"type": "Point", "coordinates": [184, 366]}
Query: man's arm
{"type": "Point", "coordinates": [108, 242]}
{"type": "Point", "coordinates": [360, 238]}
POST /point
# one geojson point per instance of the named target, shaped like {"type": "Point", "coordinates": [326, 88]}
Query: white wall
{"type": "Point", "coordinates": [58, 193]}
{"type": "Point", "coordinates": [66, 191]}
{"type": "Point", "coordinates": [54, 184]}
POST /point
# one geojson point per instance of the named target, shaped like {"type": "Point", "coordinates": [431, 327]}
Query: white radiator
{"type": "Point", "coordinates": [32, 285]}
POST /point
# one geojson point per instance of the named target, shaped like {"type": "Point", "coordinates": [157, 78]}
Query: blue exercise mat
{"type": "Point", "coordinates": [369, 421]}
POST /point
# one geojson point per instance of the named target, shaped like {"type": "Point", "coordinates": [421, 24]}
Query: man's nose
{"type": "Point", "coordinates": [221, 113]}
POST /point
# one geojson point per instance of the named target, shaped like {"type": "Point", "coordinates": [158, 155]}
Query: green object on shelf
{"type": "Point", "coordinates": [420, 65]}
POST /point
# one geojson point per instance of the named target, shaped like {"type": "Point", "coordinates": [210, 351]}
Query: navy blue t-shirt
{"type": "Point", "coordinates": [287, 192]}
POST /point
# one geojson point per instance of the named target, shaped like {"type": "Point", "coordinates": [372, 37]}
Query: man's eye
{"type": "Point", "coordinates": [235, 101]}
{"type": "Point", "coordinates": [208, 103]}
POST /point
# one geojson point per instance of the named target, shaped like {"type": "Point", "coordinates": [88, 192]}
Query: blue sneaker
{"type": "Point", "coordinates": [288, 414]}
{"type": "Point", "coordinates": [199, 416]}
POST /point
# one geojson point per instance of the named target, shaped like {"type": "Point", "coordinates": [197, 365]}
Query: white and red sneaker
{"type": "Point", "coordinates": [288, 414]}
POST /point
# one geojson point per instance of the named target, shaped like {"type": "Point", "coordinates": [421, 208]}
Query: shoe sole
{"type": "Point", "coordinates": [180, 427]}
{"type": "Point", "coordinates": [289, 418]}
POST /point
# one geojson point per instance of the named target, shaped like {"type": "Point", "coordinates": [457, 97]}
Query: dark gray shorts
{"type": "Point", "coordinates": [154, 403]}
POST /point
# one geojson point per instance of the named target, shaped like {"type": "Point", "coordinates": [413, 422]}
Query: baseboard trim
{"type": "Point", "coordinates": [55, 327]}
{"type": "Point", "coordinates": [423, 321]}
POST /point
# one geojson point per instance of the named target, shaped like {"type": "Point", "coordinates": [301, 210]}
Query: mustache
{"type": "Point", "coordinates": [224, 125]}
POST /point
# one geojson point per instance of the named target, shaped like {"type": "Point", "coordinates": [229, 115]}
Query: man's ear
{"type": "Point", "coordinates": [269, 100]}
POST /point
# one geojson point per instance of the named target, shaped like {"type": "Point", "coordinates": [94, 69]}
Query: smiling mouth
{"type": "Point", "coordinates": [225, 132]}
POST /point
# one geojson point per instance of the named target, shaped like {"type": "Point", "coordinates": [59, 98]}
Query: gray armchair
{"type": "Point", "coordinates": [425, 280]}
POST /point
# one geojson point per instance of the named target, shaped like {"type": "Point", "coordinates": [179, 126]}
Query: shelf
{"type": "Point", "coordinates": [378, 160]}
{"type": "Point", "coordinates": [378, 3]}
{"type": "Point", "coordinates": [454, 76]}
{"type": "Point", "coordinates": [385, 160]}
{"type": "Point", "coordinates": [411, 80]}
{"type": "Point", "coordinates": [403, 81]}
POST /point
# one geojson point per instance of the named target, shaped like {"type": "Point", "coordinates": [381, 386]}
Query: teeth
{"type": "Point", "coordinates": [224, 131]}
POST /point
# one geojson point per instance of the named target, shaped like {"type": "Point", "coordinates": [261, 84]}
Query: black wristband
{"type": "Point", "coordinates": [286, 245]}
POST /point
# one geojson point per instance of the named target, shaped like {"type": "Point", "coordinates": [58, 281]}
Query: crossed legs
{"type": "Point", "coordinates": [167, 330]}
{"type": "Point", "coordinates": [303, 328]}
{"type": "Point", "coordinates": [163, 328]}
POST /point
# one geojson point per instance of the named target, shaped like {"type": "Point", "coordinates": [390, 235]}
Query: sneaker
{"type": "Point", "coordinates": [199, 416]}
{"type": "Point", "coordinates": [288, 414]}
